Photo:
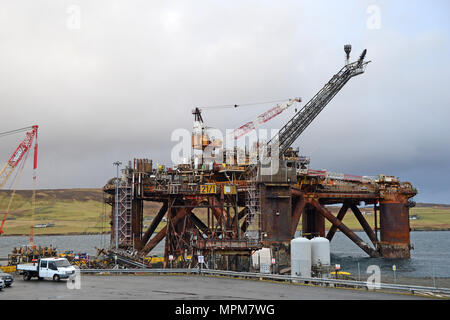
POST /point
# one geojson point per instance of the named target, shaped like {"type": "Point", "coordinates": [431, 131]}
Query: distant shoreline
{"type": "Point", "coordinates": [100, 233]}
{"type": "Point", "coordinates": [57, 234]}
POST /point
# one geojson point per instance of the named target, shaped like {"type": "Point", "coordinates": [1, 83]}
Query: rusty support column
{"type": "Point", "coordinates": [154, 224]}
{"type": "Point", "coordinates": [350, 234]}
{"type": "Point", "coordinates": [297, 213]}
{"type": "Point", "coordinates": [137, 210]}
{"type": "Point", "coordinates": [340, 217]}
{"type": "Point", "coordinates": [244, 225]}
{"type": "Point", "coordinates": [235, 218]}
{"type": "Point", "coordinates": [364, 224]}
{"type": "Point", "coordinates": [242, 213]}
{"type": "Point", "coordinates": [198, 223]}
{"type": "Point", "coordinates": [313, 223]}
{"type": "Point", "coordinates": [154, 241]}
{"type": "Point", "coordinates": [218, 212]}
{"type": "Point", "coordinates": [375, 209]}
{"type": "Point", "coordinates": [239, 216]}
{"type": "Point", "coordinates": [160, 235]}
{"type": "Point", "coordinates": [170, 213]}
{"type": "Point", "coordinates": [394, 229]}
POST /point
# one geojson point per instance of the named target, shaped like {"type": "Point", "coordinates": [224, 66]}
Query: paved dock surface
{"type": "Point", "coordinates": [182, 287]}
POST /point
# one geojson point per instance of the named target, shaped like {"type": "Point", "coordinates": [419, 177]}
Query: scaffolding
{"type": "Point", "coordinates": [124, 226]}
{"type": "Point", "coordinates": [252, 202]}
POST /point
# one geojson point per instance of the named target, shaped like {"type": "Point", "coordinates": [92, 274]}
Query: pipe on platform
{"type": "Point", "coordinates": [342, 227]}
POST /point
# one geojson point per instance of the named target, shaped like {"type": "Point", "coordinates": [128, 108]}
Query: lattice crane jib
{"type": "Point", "coordinates": [303, 118]}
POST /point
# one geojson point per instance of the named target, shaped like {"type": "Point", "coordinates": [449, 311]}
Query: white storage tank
{"type": "Point", "coordinates": [320, 251]}
{"type": "Point", "coordinates": [262, 256]}
{"type": "Point", "coordinates": [301, 257]}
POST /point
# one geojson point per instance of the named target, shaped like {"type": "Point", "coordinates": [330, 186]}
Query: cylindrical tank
{"type": "Point", "coordinates": [301, 257]}
{"type": "Point", "coordinates": [320, 251]}
{"type": "Point", "coordinates": [262, 256]}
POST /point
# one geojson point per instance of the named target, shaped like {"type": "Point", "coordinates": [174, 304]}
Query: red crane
{"type": "Point", "coordinates": [18, 155]}
{"type": "Point", "coordinates": [263, 118]}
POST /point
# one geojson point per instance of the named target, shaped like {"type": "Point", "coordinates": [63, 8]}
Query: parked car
{"type": "Point", "coordinates": [2, 284]}
{"type": "Point", "coordinates": [7, 278]}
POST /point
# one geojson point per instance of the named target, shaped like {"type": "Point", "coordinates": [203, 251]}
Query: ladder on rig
{"type": "Point", "coordinates": [301, 120]}
{"type": "Point", "coordinates": [252, 202]}
{"type": "Point", "coordinates": [124, 218]}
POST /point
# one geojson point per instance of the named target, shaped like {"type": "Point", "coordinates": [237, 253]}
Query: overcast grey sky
{"type": "Point", "coordinates": [110, 80]}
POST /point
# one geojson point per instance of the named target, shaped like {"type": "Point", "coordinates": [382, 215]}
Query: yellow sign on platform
{"type": "Point", "coordinates": [208, 188]}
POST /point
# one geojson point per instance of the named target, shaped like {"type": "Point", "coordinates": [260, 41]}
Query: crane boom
{"type": "Point", "coordinates": [301, 120]}
{"type": "Point", "coordinates": [15, 159]}
{"type": "Point", "coordinates": [17, 156]}
{"type": "Point", "coordinates": [263, 118]}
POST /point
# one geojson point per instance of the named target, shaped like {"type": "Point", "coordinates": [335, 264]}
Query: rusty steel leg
{"type": "Point", "coordinates": [154, 223]}
{"type": "Point", "coordinates": [306, 223]}
{"type": "Point", "coordinates": [313, 223]}
{"type": "Point", "coordinates": [375, 213]}
{"type": "Point", "coordinates": [340, 217]}
{"type": "Point", "coordinates": [239, 216]}
{"type": "Point", "coordinates": [244, 225]}
{"type": "Point", "coordinates": [136, 221]}
{"type": "Point", "coordinates": [364, 224]}
{"type": "Point", "coordinates": [394, 230]}
{"type": "Point", "coordinates": [297, 213]}
{"type": "Point", "coordinates": [178, 222]}
{"type": "Point", "coordinates": [350, 234]}
{"type": "Point", "coordinates": [154, 241]}
{"type": "Point", "coordinates": [198, 223]}
{"type": "Point", "coordinates": [243, 213]}
{"type": "Point", "coordinates": [160, 235]}
{"type": "Point", "coordinates": [178, 233]}
{"type": "Point", "coordinates": [218, 212]}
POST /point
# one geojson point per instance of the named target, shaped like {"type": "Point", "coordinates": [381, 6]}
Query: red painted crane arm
{"type": "Point", "coordinates": [17, 156]}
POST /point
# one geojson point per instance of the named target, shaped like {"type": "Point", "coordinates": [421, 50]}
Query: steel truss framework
{"type": "Point", "coordinates": [217, 227]}
{"type": "Point", "coordinates": [269, 206]}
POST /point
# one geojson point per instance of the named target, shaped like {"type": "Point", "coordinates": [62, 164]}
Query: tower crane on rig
{"type": "Point", "coordinates": [302, 119]}
{"type": "Point", "coordinates": [18, 157]}
{"type": "Point", "coordinates": [280, 145]}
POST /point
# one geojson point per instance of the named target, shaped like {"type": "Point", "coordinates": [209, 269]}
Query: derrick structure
{"type": "Point", "coordinates": [225, 210]}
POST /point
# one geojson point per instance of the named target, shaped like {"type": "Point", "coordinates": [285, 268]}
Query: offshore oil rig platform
{"type": "Point", "coordinates": [226, 206]}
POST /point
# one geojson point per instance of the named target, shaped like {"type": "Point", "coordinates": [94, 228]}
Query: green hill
{"type": "Point", "coordinates": [70, 210]}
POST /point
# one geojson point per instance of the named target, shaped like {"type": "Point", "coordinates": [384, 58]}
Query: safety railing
{"type": "Point", "coordinates": [286, 278]}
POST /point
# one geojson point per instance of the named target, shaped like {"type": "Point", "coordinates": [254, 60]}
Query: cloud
{"type": "Point", "coordinates": [118, 86]}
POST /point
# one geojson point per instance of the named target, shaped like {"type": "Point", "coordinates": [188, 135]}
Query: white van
{"type": "Point", "coordinates": [47, 268]}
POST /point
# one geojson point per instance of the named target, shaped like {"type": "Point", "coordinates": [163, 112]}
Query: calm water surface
{"type": "Point", "coordinates": [431, 252]}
